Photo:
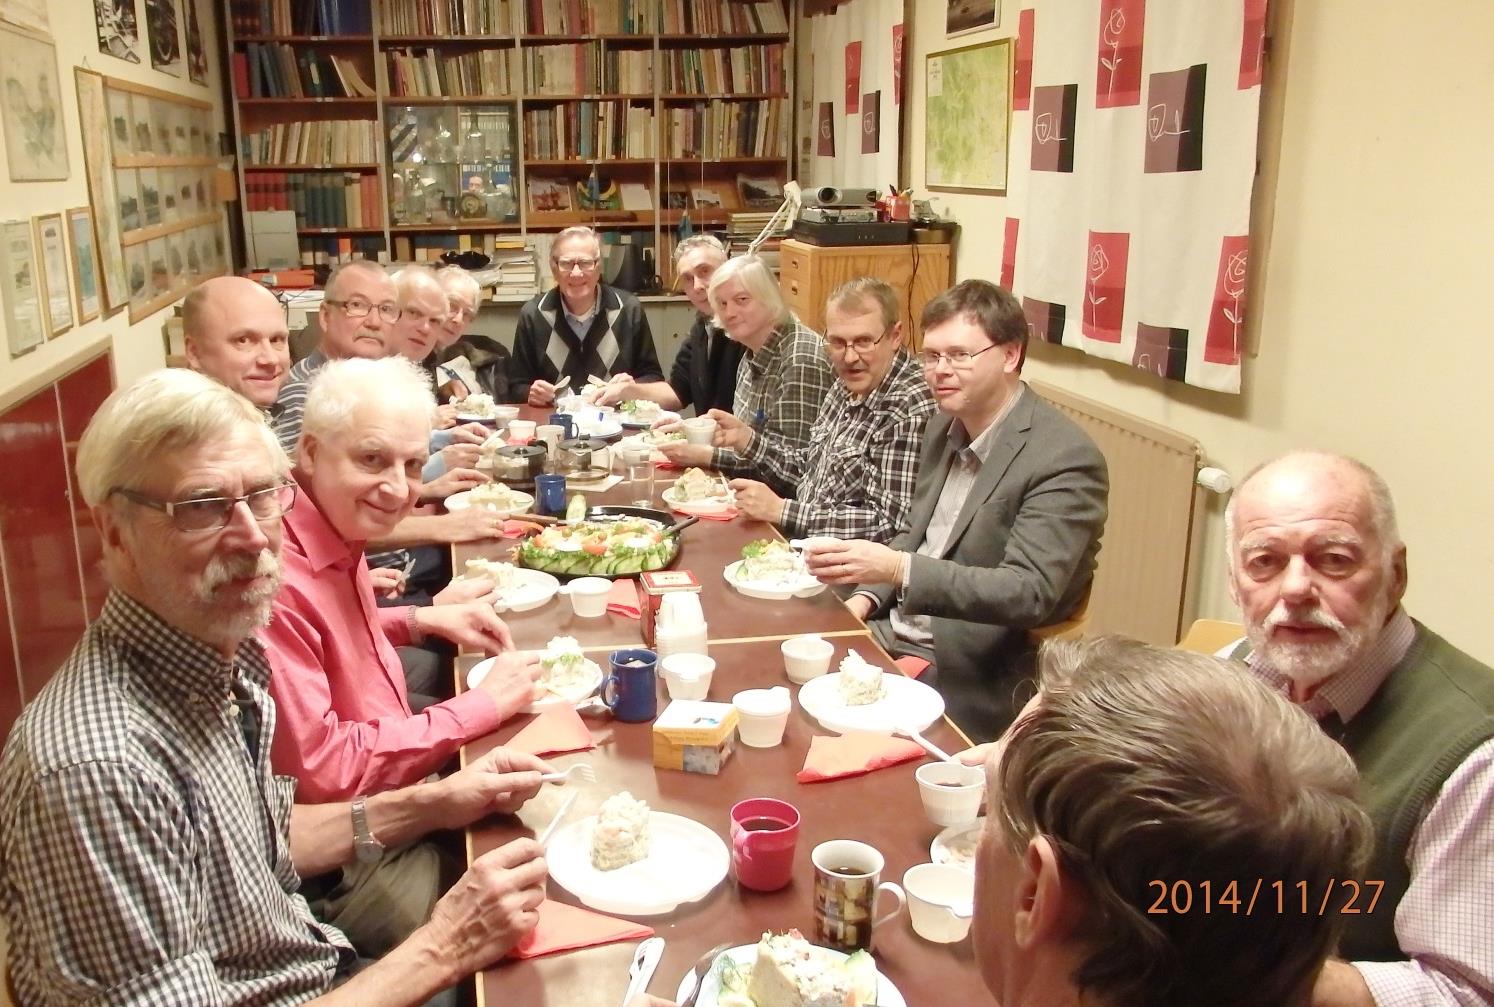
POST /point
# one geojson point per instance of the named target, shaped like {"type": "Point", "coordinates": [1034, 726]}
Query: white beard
{"type": "Point", "coordinates": [1310, 664]}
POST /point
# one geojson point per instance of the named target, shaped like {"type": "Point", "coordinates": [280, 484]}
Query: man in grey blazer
{"type": "Point", "coordinates": [1005, 524]}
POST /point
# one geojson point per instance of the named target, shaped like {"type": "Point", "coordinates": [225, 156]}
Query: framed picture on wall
{"type": "Point", "coordinates": [163, 29]}
{"type": "Point", "coordinates": [102, 198]}
{"type": "Point", "coordinates": [51, 246]}
{"type": "Point", "coordinates": [197, 68]}
{"type": "Point", "coordinates": [961, 86]}
{"type": "Point", "coordinates": [35, 143]}
{"type": "Point", "coordinates": [85, 264]}
{"type": "Point", "coordinates": [961, 17]}
{"type": "Point", "coordinates": [118, 34]}
{"type": "Point", "coordinates": [29, 14]}
{"type": "Point", "coordinates": [19, 292]}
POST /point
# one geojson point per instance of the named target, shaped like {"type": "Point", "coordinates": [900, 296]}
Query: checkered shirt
{"type": "Point", "coordinates": [855, 477]}
{"type": "Point", "coordinates": [146, 853]}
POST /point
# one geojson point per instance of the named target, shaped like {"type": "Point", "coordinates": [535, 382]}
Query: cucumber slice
{"type": "Point", "coordinates": [861, 970]}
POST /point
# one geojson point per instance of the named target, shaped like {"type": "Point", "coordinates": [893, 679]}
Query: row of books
{"type": "Point", "coordinates": [563, 69]}
{"type": "Point", "coordinates": [318, 250]}
{"type": "Point", "coordinates": [313, 141]}
{"type": "Point", "coordinates": [277, 70]}
{"type": "Point", "coordinates": [628, 71]}
{"type": "Point", "coordinates": [588, 130]}
{"type": "Point", "coordinates": [756, 68]}
{"type": "Point", "coordinates": [424, 73]}
{"type": "Point", "coordinates": [722, 17]}
{"type": "Point", "coordinates": [446, 17]}
{"type": "Point", "coordinates": [717, 129]}
{"type": "Point", "coordinates": [318, 198]}
{"type": "Point", "coordinates": [590, 17]}
{"type": "Point", "coordinates": [301, 17]}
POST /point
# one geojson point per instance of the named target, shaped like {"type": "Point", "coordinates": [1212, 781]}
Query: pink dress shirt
{"type": "Point", "coordinates": [343, 725]}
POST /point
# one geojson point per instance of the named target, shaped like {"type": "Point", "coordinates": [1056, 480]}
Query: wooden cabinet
{"type": "Point", "coordinates": [808, 275]}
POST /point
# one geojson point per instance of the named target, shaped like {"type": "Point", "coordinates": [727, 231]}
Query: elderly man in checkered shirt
{"type": "Point", "coordinates": [855, 476]}
{"type": "Point", "coordinates": [149, 854]}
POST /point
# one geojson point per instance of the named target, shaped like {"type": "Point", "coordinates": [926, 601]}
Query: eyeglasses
{"type": "Point", "coordinates": [212, 513]}
{"type": "Point", "coordinates": [960, 359]}
{"type": "Point", "coordinates": [861, 344]}
{"type": "Point", "coordinates": [357, 307]}
{"type": "Point", "coordinates": [576, 265]}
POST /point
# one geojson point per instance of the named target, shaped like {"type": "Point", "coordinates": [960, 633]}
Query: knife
{"type": "Point", "coordinates": [641, 972]}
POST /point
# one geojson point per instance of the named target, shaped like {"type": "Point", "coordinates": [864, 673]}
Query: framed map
{"type": "Point", "coordinates": [967, 117]}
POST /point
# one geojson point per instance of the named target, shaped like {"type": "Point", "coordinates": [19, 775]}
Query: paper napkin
{"type": "Point", "coordinates": [564, 927]}
{"type": "Point", "coordinates": [831, 758]}
{"type": "Point", "coordinates": [552, 732]}
{"type": "Point", "coordinates": [623, 598]}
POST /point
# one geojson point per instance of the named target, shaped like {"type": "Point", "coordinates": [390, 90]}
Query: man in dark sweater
{"type": "Point", "coordinates": [583, 328]}
{"type": "Point", "coordinates": [1318, 569]}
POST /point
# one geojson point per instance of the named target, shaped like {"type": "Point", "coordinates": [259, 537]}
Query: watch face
{"type": "Point", "coordinates": [369, 851]}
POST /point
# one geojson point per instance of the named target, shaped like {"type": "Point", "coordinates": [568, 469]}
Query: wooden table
{"type": "Point", "coordinates": [881, 808]}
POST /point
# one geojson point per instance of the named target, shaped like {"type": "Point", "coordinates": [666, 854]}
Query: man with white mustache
{"type": "Point", "coordinates": [1318, 569]}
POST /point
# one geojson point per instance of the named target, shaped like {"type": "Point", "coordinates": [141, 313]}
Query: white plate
{"type": "Point", "coordinates": [632, 424]}
{"type": "Point", "coordinates": [463, 501]}
{"type": "Point", "coordinates": [939, 849]}
{"type": "Point", "coordinates": [907, 703]}
{"type": "Point", "coordinates": [745, 955]}
{"type": "Point", "coordinates": [806, 587]}
{"type": "Point", "coordinates": [600, 429]}
{"type": "Point", "coordinates": [685, 862]}
{"type": "Point", "coordinates": [487, 421]}
{"type": "Point", "coordinates": [713, 505]}
{"type": "Point", "coordinates": [532, 588]}
{"type": "Point", "coordinates": [550, 702]}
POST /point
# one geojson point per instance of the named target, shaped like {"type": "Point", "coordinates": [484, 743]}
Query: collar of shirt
{"type": "Point", "coordinates": [579, 323]}
{"type": "Point", "coordinates": [978, 450]}
{"type": "Point", "coordinates": [764, 358]}
{"type": "Point", "coordinates": [891, 387]}
{"type": "Point", "coordinates": [1347, 692]}
{"type": "Point", "coordinates": [319, 541]}
{"type": "Point", "coordinates": [179, 662]}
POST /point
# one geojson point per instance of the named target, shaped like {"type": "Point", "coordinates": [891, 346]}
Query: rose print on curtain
{"type": "Point", "coordinates": [1118, 80]}
{"type": "Point", "coordinates": [1105, 286]}
{"type": "Point", "coordinates": [1227, 320]}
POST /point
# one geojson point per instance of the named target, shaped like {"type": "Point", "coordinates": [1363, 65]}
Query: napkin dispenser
{"type": "Point", "coordinates": [656, 584]}
{"type": "Point", "coordinates": [695, 736]}
{"type": "Point", "coordinates": [680, 626]}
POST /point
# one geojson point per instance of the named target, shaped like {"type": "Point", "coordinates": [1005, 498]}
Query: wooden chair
{"type": "Point", "coordinates": [1207, 636]}
{"type": "Point", "coordinates": [1071, 628]}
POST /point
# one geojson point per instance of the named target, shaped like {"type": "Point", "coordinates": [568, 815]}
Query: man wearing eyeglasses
{"type": "Point", "coordinates": [1005, 524]}
{"type": "Point", "coordinates": [583, 328]}
{"type": "Point", "coordinates": [855, 477]}
{"type": "Point", "coordinates": [150, 854]}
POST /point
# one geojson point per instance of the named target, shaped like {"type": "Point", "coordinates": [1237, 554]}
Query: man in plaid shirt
{"type": "Point", "coordinates": [854, 478]}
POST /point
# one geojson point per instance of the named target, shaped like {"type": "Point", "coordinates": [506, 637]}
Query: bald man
{"type": "Point", "coordinates": [236, 335]}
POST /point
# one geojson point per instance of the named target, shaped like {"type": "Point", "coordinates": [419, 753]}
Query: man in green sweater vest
{"type": "Point", "coordinates": [1318, 570]}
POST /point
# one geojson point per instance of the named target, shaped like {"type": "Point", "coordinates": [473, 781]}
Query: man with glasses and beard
{"type": "Point", "coordinates": [583, 328]}
{"type": "Point", "coordinates": [1318, 569]}
{"type": "Point", "coordinates": [1005, 524]}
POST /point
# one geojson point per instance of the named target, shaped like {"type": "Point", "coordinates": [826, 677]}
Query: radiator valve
{"type": "Point", "coordinates": [1214, 480]}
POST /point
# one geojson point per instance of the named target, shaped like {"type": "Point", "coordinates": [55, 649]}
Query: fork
{"type": "Point", "coordinates": [544, 837]}
{"type": "Point", "coordinates": [696, 976]}
{"type": "Point", "coordinates": [581, 772]}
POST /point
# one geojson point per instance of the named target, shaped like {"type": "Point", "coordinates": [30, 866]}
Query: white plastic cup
{"type": "Point", "coordinates": [940, 901]}
{"type": "Point", "coordinates": [504, 415]}
{"type": "Point", "coordinates": [551, 434]}
{"type": "Point", "coordinates": [688, 676]}
{"type": "Point", "coordinates": [806, 657]}
{"type": "Point", "coordinates": [762, 716]}
{"type": "Point", "coordinates": [589, 596]}
{"type": "Point", "coordinates": [521, 430]}
{"type": "Point", "coordinates": [699, 430]}
{"type": "Point", "coordinates": [951, 792]}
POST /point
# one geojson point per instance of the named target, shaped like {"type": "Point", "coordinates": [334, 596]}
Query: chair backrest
{"type": "Point", "coordinates": [1069, 629]}
{"type": "Point", "coordinates": [1207, 636]}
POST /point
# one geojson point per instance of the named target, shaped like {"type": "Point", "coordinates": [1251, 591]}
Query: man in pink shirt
{"type": "Point", "coordinates": [345, 728]}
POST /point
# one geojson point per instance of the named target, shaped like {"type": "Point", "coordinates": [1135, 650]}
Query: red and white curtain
{"type": "Point", "coordinates": [1133, 152]}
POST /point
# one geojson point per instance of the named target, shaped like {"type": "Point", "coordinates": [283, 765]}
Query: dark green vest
{"type": "Point", "coordinates": [1433, 710]}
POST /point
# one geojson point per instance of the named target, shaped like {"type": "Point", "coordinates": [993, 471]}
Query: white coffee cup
{"type": "Point", "coordinates": [589, 596]}
{"type": "Point", "coordinates": [940, 901]}
{"type": "Point", "coordinates": [806, 657]}
{"type": "Point", "coordinates": [951, 792]}
{"type": "Point", "coordinates": [699, 430]}
{"type": "Point", "coordinates": [762, 715]}
{"type": "Point", "coordinates": [505, 415]}
{"type": "Point", "coordinates": [688, 676]}
{"type": "Point", "coordinates": [522, 430]}
{"type": "Point", "coordinates": [551, 434]}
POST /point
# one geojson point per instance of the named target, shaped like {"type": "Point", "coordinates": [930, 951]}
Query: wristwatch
{"type": "Point", "coordinates": [369, 849]}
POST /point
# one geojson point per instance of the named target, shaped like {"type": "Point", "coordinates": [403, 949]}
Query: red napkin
{"type": "Point", "coordinates": [730, 514]}
{"type": "Point", "coordinates": [558, 730]}
{"type": "Point", "coordinates": [912, 666]}
{"type": "Point", "coordinates": [831, 758]}
{"type": "Point", "coordinates": [623, 598]}
{"type": "Point", "coordinates": [564, 927]}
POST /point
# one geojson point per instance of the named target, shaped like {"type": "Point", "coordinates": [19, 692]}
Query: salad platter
{"type": "Point", "coordinates": [604, 545]}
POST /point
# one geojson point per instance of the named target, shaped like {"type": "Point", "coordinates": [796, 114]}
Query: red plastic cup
{"type": "Point", "coordinates": [764, 833]}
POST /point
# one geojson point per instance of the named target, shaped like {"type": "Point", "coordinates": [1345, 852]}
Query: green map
{"type": "Point", "coordinates": [967, 110]}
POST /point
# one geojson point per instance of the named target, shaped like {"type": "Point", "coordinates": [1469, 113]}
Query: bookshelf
{"type": "Point", "coordinates": [408, 127]}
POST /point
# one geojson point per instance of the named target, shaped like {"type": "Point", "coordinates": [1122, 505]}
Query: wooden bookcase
{"type": "Point", "coordinates": [482, 120]}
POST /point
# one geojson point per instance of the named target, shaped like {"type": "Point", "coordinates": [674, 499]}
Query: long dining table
{"type": "Point", "coordinates": [881, 808]}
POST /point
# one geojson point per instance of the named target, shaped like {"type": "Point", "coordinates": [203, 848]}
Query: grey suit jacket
{"type": "Point", "coordinates": [1021, 554]}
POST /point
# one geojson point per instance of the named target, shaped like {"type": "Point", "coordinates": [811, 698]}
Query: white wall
{"type": "Point", "coordinates": [137, 348]}
{"type": "Point", "coordinates": [1374, 314]}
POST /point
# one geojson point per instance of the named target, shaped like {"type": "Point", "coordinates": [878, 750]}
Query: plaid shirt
{"type": "Point", "coordinates": [146, 852]}
{"type": "Point", "coordinates": [780, 390]}
{"type": "Point", "coordinates": [855, 477]}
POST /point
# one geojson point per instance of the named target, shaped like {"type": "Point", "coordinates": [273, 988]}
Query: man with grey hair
{"type": "Point", "coordinates": [150, 855]}
{"type": "Point", "coordinates": [1318, 569]}
{"type": "Point", "coordinates": [582, 328]}
{"type": "Point", "coordinates": [704, 373]}
{"type": "Point", "coordinates": [236, 334]}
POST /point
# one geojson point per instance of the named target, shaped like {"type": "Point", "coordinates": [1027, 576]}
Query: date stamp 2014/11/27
{"type": "Point", "coordinates": [1264, 896]}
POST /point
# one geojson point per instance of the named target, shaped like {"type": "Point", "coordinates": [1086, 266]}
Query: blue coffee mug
{"type": "Point", "coordinates": [630, 691]}
{"type": "Point", "coordinates": [549, 491]}
{"type": "Point", "coordinates": [566, 422]}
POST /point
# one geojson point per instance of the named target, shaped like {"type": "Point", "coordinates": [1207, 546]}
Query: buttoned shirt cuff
{"type": "Point", "coordinates": [904, 573]}
{"type": "Point", "coordinates": [756, 450]}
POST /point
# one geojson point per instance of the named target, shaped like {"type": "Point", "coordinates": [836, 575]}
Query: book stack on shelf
{"type": "Point", "coordinates": [742, 69]}
{"type": "Point", "coordinates": [301, 17]}
{"type": "Point", "coordinates": [425, 73]}
{"type": "Point", "coordinates": [691, 17]}
{"type": "Point", "coordinates": [448, 19]}
{"type": "Point", "coordinates": [589, 131]}
{"type": "Point", "coordinates": [590, 17]}
{"type": "Point", "coordinates": [315, 142]}
{"type": "Point", "coordinates": [321, 200]}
